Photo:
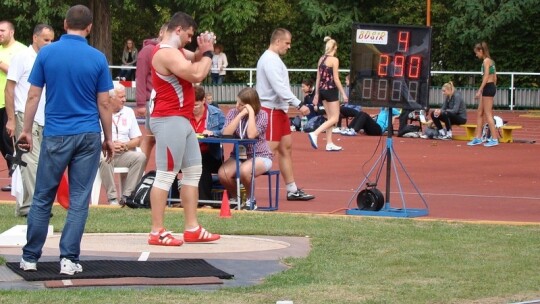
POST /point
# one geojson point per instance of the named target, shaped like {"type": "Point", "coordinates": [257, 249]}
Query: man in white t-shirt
{"type": "Point", "coordinates": [16, 94]}
{"type": "Point", "coordinates": [126, 136]}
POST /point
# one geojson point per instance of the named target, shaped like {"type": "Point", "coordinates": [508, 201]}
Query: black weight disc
{"type": "Point", "coordinates": [370, 200]}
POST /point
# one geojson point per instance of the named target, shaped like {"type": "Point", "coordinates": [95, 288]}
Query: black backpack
{"type": "Point", "coordinates": [141, 197]}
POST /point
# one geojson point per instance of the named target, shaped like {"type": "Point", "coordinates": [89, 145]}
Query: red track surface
{"type": "Point", "coordinates": [458, 182]}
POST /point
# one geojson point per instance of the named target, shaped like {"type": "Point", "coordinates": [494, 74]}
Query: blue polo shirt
{"type": "Point", "coordinates": [74, 73]}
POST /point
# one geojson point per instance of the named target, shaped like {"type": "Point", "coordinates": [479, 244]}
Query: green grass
{"type": "Point", "coordinates": [353, 260]}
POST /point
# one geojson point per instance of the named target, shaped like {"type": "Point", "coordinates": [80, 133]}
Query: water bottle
{"type": "Point", "coordinates": [303, 122]}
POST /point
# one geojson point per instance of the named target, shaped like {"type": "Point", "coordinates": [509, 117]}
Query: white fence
{"type": "Point", "coordinates": [506, 97]}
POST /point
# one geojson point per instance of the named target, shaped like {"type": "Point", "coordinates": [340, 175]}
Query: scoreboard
{"type": "Point", "coordinates": [390, 66]}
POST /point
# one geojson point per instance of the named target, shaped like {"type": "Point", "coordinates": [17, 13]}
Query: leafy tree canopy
{"type": "Point", "coordinates": [243, 27]}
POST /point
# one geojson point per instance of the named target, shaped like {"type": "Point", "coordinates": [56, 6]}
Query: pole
{"type": "Point", "coordinates": [428, 13]}
{"type": "Point", "coordinates": [389, 134]}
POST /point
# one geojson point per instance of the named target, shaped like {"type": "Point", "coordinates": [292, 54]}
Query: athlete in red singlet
{"type": "Point", "coordinates": [173, 72]}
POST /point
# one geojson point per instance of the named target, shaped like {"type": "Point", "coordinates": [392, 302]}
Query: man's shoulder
{"type": "Point", "coordinates": [18, 46]}
{"type": "Point", "coordinates": [127, 110]}
{"type": "Point", "coordinates": [21, 56]}
{"type": "Point", "coordinates": [149, 43]}
{"type": "Point", "coordinates": [212, 109]}
{"type": "Point", "coordinates": [269, 55]}
{"type": "Point", "coordinates": [269, 59]}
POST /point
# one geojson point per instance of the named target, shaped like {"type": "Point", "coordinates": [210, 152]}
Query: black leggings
{"type": "Point", "coordinates": [6, 145]}
{"type": "Point", "coordinates": [449, 119]}
{"type": "Point", "coordinates": [364, 121]}
{"type": "Point", "coordinates": [209, 165]}
{"type": "Point", "coordinates": [346, 112]}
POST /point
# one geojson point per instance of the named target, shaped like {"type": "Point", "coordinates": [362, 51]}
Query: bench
{"type": "Point", "coordinates": [470, 130]}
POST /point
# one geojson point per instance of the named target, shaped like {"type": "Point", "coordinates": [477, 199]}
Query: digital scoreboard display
{"type": "Point", "coordinates": [390, 66]}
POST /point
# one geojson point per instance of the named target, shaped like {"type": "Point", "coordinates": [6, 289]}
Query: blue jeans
{"type": "Point", "coordinates": [80, 154]}
{"type": "Point", "coordinates": [126, 73]}
{"type": "Point", "coordinates": [217, 79]}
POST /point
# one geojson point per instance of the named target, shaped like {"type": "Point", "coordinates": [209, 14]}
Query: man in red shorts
{"type": "Point", "coordinates": [276, 97]}
{"type": "Point", "coordinates": [174, 70]}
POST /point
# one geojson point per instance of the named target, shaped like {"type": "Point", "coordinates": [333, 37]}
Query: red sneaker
{"type": "Point", "coordinates": [164, 238]}
{"type": "Point", "coordinates": [200, 236]}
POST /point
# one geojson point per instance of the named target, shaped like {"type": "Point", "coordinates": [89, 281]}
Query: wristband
{"type": "Point", "coordinates": [208, 54]}
{"type": "Point", "coordinates": [299, 106]}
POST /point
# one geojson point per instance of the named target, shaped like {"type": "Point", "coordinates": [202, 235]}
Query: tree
{"type": "Point", "coordinates": [100, 36]}
{"type": "Point", "coordinates": [510, 27]}
{"type": "Point", "coordinates": [26, 14]}
{"type": "Point", "coordinates": [244, 27]}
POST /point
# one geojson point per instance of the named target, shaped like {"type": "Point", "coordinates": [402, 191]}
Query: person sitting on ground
{"type": "Point", "coordinates": [246, 120]}
{"type": "Point", "coordinates": [453, 111]}
{"type": "Point", "coordinates": [207, 120]}
{"type": "Point", "coordinates": [126, 137]}
{"type": "Point", "coordinates": [346, 111]}
{"type": "Point", "coordinates": [375, 126]}
{"type": "Point", "coordinates": [309, 93]}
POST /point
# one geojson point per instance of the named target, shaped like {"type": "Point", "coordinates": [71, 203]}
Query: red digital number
{"type": "Point", "coordinates": [384, 60]}
{"type": "Point", "coordinates": [399, 63]}
{"type": "Point", "coordinates": [403, 41]}
{"type": "Point", "coordinates": [414, 67]}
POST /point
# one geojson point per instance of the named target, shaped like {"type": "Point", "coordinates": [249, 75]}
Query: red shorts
{"type": "Point", "coordinates": [279, 124]}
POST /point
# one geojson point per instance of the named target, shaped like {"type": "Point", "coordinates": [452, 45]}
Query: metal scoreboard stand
{"type": "Point", "coordinates": [390, 67]}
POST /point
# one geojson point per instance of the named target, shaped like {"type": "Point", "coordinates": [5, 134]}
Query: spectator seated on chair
{"type": "Point", "coordinates": [129, 59]}
{"type": "Point", "coordinates": [126, 136]}
{"type": "Point", "coordinates": [246, 120]}
{"type": "Point", "coordinates": [208, 121]}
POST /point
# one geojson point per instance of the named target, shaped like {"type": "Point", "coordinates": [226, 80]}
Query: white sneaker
{"type": "Point", "coordinates": [350, 132]}
{"type": "Point", "coordinates": [336, 130]}
{"type": "Point", "coordinates": [248, 205]}
{"type": "Point", "coordinates": [68, 267]}
{"type": "Point", "coordinates": [28, 266]}
{"type": "Point", "coordinates": [313, 140]}
{"type": "Point", "coordinates": [333, 148]}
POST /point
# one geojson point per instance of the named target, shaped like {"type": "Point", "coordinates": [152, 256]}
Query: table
{"type": "Point", "coordinates": [236, 142]}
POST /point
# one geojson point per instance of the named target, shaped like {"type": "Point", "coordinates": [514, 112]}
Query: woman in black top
{"type": "Point", "coordinates": [327, 89]}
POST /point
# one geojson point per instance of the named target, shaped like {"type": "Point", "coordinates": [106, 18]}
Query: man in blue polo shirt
{"type": "Point", "coordinates": [78, 83]}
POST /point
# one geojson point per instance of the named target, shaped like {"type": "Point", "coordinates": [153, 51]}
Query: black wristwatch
{"type": "Point", "coordinates": [208, 54]}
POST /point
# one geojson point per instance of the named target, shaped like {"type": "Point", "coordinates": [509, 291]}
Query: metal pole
{"type": "Point", "coordinates": [512, 92]}
{"type": "Point", "coordinates": [389, 147]}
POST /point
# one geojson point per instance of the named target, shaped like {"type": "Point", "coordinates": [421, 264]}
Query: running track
{"type": "Point", "coordinates": [458, 182]}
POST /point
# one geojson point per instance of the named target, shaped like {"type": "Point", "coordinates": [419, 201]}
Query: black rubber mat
{"type": "Point", "coordinates": [100, 269]}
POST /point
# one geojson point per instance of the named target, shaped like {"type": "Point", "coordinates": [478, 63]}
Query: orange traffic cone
{"type": "Point", "coordinates": [225, 208]}
{"type": "Point", "coordinates": [62, 194]}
